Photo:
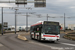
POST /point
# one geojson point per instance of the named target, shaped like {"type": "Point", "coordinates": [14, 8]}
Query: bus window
{"type": "Point", "coordinates": [37, 29]}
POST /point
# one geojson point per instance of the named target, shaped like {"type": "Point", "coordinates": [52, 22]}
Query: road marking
{"type": "Point", "coordinates": [68, 44]}
{"type": "Point", "coordinates": [52, 47]}
{"type": "Point", "coordinates": [1, 45]}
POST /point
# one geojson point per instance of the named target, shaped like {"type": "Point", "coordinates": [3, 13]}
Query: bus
{"type": "Point", "coordinates": [45, 30]}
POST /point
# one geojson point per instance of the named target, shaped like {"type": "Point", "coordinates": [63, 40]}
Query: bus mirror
{"type": "Point", "coordinates": [60, 27]}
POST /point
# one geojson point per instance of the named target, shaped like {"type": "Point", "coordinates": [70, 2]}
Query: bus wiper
{"type": "Point", "coordinates": [55, 33]}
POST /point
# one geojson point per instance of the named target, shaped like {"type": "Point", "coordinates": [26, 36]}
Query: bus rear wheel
{"type": "Point", "coordinates": [31, 36]}
{"type": "Point", "coordinates": [53, 41]}
{"type": "Point", "coordinates": [38, 38]}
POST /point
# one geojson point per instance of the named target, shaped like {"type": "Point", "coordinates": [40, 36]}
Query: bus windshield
{"type": "Point", "coordinates": [51, 29]}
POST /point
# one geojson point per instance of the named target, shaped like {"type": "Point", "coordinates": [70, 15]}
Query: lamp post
{"type": "Point", "coordinates": [26, 22]}
{"type": "Point", "coordinates": [64, 22]}
{"type": "Point", "coordinates": [15, 19]}
{"type": "Point", "coordinates": [47, 17]}
{"type": "Point", "coordinates": [2, 21]}
{"type": "Point", "coordinates": [27, 19]}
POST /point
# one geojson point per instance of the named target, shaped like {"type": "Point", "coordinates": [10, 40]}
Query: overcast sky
{"type": "Point", "coordinates": [54, 8]}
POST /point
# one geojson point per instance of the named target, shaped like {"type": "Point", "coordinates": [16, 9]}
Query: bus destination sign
{"type": "Point", "coordinates": [51, 23]}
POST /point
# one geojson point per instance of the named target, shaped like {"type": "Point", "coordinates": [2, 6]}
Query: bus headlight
{"type": "Point", "coordinates": [42, 36]}
{"type": "Point", "coordinates": [58, 38]}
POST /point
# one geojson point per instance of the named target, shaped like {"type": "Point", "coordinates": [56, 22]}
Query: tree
{"type": "Point", "coordinates": [69, 29]}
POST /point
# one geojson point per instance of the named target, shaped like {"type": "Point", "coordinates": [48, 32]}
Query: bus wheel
{"type": "Point", "coordinates": [31, 37]}
{"type": "Point", "coordinates": [53, 41]}
{"type": "Point", "coordinates": [38, 38]}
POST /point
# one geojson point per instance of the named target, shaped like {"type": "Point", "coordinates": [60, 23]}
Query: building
{"type": "Point", "coordinates": [13, 28]}
{"type": "Point", "coordinates": [71, 26]}
{"type": "Point", "coordinates": [19, 28]}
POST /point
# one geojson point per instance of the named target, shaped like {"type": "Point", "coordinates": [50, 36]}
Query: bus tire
{"type": "Point", "coordinates": [38, 38]}
{"type": "Point", "coordinates": [34, 35]}
{"type": "Point", "coordinates": [31, 36]}
{"type": "Point", "coordinates": [53, 41]}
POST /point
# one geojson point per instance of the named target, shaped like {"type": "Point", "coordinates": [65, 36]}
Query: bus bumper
{"type": "Point", "coordinates": [50, 39]}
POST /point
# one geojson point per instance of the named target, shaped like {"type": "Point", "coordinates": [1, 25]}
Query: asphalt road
{"type": "Point", "coordinates": [64, 44]}
{"type": "Point", "coordinates": [10, 42]}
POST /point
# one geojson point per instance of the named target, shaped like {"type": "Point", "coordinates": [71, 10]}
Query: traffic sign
{"type": "Point", "coordinates": [21, 2]}
{"type": "Point", "coordinates": [40, 4]}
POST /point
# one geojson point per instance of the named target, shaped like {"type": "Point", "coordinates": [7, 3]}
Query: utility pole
{"type": "Point", "coordinates": [2, 21]}
{"type": "Point", "coordinates": [15, 19]}
{"type": "Point", "coordinates": [47, 17]}
{"type": "Point", "coordinates": [64, 22]}
{"type": "Point", "coordinates": [26, 22]}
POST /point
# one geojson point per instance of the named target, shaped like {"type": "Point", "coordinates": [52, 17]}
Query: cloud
{"type": "Point", "coordinates": [65, 0]}
{"type": "Point", "coordinates": [72, 7]}
{"type": "Point", "coordinates": [5, 5]}
{"type": "Point", "coordinates": [53, 8]}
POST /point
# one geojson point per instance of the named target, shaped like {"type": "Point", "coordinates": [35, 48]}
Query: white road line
{"type": "Point", "coordinates": [1, 45]}
{"type": "Point", "coordinates": [68, 44]}
{"type": "Point", "coordinates": [52, 47]}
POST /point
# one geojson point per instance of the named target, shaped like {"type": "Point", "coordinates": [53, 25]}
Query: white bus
{"type": "Point", "coordinates": [46, 30]}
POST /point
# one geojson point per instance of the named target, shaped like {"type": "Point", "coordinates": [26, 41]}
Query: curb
{"type": "Point", "coordinates": [22, 37]}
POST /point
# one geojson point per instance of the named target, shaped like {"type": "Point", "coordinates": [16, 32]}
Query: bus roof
{"type": "Point", "coordinates": [37, 24]}
{"type": "Point", "coordinates": [43, 22]}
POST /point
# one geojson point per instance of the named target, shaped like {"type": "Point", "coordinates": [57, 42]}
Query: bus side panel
{"type": "Point", "coordinates": [32, 34]}
{"type": "Point", "coordinates": [36, 35]}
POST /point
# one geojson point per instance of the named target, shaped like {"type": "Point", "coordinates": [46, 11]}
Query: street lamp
{"type": "Point", "coordinates": [15, 19]}
{"type": "Point", "coordinates": [27, 19]}
{"type": "Point", "coordinates": [16, 9]}
{"type": "Point", "coordinates": [26, 22]}
{"type": "Point", "coordinates": [64, 22]}
{"type": "Point", "coordinates": [47, 17]}
{"type": "Point", "coordinates": [2, 21]}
